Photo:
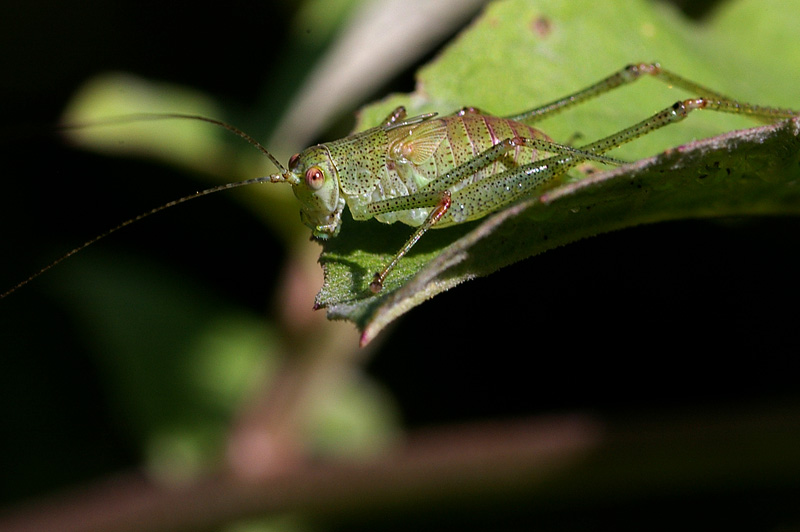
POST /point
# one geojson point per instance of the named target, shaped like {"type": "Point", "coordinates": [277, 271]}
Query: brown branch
{"type": "Point", "coordinates": [434, 465]}
{"type": "Point", "coordinates": [570, 458]}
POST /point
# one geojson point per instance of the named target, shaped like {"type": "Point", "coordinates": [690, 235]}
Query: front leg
{"type": "Point", "coordinates": [434, 216]}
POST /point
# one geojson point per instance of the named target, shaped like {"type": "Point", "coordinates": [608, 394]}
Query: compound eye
{"type": "Point", "coordinates": [314, 178]}
{"type": "Point", "coordinates": [293, 160]}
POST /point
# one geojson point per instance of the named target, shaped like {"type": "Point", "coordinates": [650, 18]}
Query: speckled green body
{"type": "Point", "coordinates": [396, 161]}
{"type": "Point", "coordinates": [408, 159]}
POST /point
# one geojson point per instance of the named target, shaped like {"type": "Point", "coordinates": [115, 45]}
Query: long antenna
{"type": "Point", "coordinates": [275, 178]}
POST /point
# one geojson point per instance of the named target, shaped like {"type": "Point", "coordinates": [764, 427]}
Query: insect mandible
{"type": "Point", "coordinates": [432, 171]}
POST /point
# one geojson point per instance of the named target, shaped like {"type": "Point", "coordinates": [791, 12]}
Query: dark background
{"type": "Point", "coordinates": [671, 317]}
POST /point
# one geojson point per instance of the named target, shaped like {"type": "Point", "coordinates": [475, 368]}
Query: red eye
{"type": "Point", "coordinates": [314, 178]}
{"type": "Point", "coordinates": [293, 160]}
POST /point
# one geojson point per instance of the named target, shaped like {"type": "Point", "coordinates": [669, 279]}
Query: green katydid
{"type": "Point", "coordinates": [433, 171]}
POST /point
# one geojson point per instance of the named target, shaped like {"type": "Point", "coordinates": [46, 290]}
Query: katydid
{"type": "Point", "coordinates": [432, 171]}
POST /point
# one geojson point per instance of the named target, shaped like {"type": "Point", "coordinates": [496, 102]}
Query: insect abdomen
{"type": "Point", "coordinates": [418, 155]}
{"type": "Point", "coordinates": [469, 134]}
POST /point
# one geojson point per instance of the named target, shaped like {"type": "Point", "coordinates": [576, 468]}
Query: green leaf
{"type": "Point", "coordinates": [520, 54]}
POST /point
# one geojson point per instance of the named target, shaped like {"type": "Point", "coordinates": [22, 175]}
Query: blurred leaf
{"type": "Point", "coordinates": [178, 361]}
{"type": "Point", "coordinates": [117, 107]}
{"type": "Point", "coordinates": [356, 420]}
{"type": "Point", "coordinates": [534, 52]}
{"type": "Point", "coordinates": [107, 96]}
